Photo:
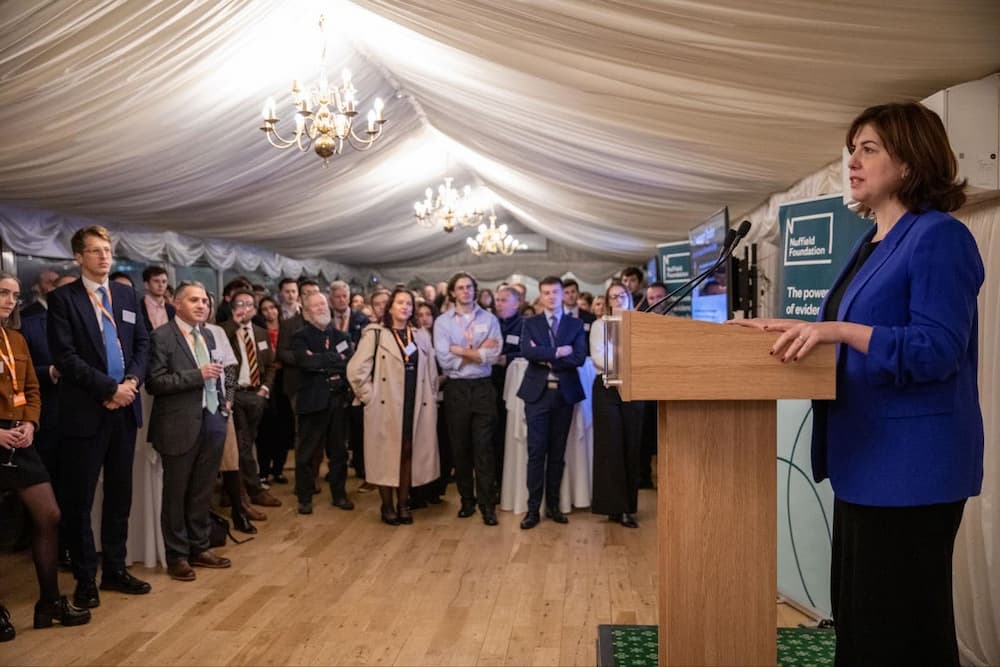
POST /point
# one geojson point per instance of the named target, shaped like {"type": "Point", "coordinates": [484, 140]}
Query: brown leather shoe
{"type": "Point", "coordinates": [265, 499]}
{"type": "Point", "coordinates": [181, 571]}
{"type": "Point", "coordinates": [253, 513]}
{"type": "Point", "coordinates": [208, 559]}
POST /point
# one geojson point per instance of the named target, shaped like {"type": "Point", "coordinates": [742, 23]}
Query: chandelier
{"type": "Point", "coordinates": [450, 207]}
{"type": "Point", "coordinates": [324, 115]}
{"type": "Point", "coordinates": [493, 240]}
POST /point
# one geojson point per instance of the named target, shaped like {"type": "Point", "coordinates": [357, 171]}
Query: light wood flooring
{"type": "Point", "coordinates": [341, 588]}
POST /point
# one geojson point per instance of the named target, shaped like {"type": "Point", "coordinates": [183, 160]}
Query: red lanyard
{"type": "Point", "coordinates": [8, 359]}
{"type": "Point", "coordinates": [399, 341]}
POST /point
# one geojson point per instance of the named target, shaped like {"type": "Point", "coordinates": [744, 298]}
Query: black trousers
{"type": "Point", "coordinates": [650, 432]}
{"type": "Point", "coordinates": [617, 443]}
{"type": "Point", "coordinates": [325, 430]}
{"type": "Point", "coordinates": [276, 431]}
{"type": "Point", "coordinates": [188, 480]}
{"type": "Point", "coordinates": [356, 438]}
{"type": "Point", "coordinates": [891, 584]}
{"type": "Point", "coordinates": [248, 409]}
{"type": "Point", "coordinates": [500, 432]}
{"type": "Point", "coordinates": [472, 417]}
{"type": "Point", "coordinates": [548, 419]}
{"type": "Point", "coordinates": [111, 448]}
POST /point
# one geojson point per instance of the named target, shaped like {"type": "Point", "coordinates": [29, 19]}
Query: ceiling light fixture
{"type": "Point", "coordinates": [324, 115]}
{"type": "Point", "coordinates": [450, 207]}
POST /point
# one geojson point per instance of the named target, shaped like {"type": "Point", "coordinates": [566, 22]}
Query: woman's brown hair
{"type": "Point", "coordinates": [14, 321]}
{"type": "Point", "coordinates": [387, 316]}
{"type": "Point", "coordinates": [915, 136]}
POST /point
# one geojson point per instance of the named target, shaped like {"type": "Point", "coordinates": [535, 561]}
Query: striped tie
{"type": "Point", "coordinates": [251, 349]}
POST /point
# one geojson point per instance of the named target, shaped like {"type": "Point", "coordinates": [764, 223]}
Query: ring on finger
{"type": "Point", "coordinates": [802, 339]}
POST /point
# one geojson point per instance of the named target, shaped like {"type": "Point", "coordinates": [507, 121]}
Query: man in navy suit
{"type": "Point", "coordinates": [100, 346]}
{"type": "Point", "coordinates": [555, 345]}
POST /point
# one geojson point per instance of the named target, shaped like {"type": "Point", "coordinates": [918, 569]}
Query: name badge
{"type": "Point", "coordinates": [1, 367]}
{"type": "Point", "coordinates": [128, 316]}
{"type": "Point", "coordinates": [513, 340]}
{"type": "Point", "coordinates": [481, 328]}
{"type": "Point", "coordinates": [586, 326]}
{"type": "Point", "coordinates": [409, 349]}
{"type": "Point", "coordinates": [20, 399]}
{"type": "Point", "coordinates": [341, 346]}
{"type": "Point", "coordinates": [262, 345]}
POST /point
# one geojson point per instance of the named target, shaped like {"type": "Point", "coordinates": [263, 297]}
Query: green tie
{"type": "Point", "coordinates": [201, 355]}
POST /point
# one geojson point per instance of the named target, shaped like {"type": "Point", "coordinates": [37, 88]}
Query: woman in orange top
{"type": "Point", "coordinates": [21, 467]}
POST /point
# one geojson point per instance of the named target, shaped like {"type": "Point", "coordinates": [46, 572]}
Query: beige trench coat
{"type": "Point", "coordinates": [382, 397]}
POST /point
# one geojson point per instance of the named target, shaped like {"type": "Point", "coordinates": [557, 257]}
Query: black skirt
{"type": "Point", "coordinates": [617, 446]}
{"type": "Point", "coordinates": [29, 471]}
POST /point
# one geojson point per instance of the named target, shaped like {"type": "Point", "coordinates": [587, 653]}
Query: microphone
{"type": "Point", "coordinates": [733, 238]}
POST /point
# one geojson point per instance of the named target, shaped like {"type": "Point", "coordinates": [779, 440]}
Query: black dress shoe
{"type": "Point", "coordinates": [123, 582]}
{"type": "Point", "coordinates": [489, 516]}
{"type": "Point", "coordinates": [389, 517]}
{"type": "Point", "coordinates": [530, 520]}
{"type": "Point", "coordinates": [243, 525]}
{"type": "Point", "coordinates": [343, 503]}
{"type": "Point", "coordinates": [59, 610]}
{"type": "Point", "coordinates": [7, 631]}
{"type": "Point", "coordinates": [279, 479]}
{"type": "Point", "coordinates": [617, 518]}
{"type": "Point", "coordinates": [86, 595]}
{"type": "Point", "coordinates": [404, 517]}
{"type": "Point", "coordinates": [468, 509]}
{"type": "Point", "coordinates": [629, 521]}
{"type": "Point", "coordinates": [556, 515]}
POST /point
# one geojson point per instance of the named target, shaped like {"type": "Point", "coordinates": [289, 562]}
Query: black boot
{"type": "Point", "coordinates": [6, 627]}
{"type": "Point", "coordinates": [231, 490]}
{"type": "Point", "coordinates": [59, 610]}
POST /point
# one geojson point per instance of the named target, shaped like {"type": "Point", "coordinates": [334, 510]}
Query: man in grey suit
{"type": "Point", "coordinates": [188, 428]}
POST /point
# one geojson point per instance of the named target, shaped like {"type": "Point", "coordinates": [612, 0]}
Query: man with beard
{"type": "Point", "coordinates": [322, 403]}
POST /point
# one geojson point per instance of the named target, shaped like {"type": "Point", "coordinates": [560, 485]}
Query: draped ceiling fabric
{"type": "Point", "coordinates": [606, 127]}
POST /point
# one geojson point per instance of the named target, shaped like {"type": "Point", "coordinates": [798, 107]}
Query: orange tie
{"type": "Point", "coordinates": [251, 349]}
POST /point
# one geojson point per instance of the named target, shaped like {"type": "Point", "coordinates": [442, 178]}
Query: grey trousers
{"type": "Point", "coordinates": [187, 490]}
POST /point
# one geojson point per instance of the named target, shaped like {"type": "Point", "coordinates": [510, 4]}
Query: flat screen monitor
{"type": "Point", "coordinates": [710, 300]}
{"type": "Point", "coordinates": [652, 269]}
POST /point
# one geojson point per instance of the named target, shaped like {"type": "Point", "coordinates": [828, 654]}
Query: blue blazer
{"type": "Point", "coordinates": [906, 428]}
{"type": "Point", "coordinates": [77, 349]}
{"type": "Point", "coordinates": [537, 348]}
{"type": "Point", "coordinates": [34, 328]}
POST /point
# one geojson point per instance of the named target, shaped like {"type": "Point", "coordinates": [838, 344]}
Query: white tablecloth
{"type": "Point", "coordinates": [575, 490]}
{"type": "Point", "coordinates": [145, 538]}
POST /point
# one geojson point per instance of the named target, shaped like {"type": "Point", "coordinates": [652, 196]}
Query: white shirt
{"type": "Point", "coordinates": [92, 287]}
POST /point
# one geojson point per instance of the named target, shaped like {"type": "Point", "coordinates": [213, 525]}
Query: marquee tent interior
{"type": "Point", "coordinates": [604, 128]}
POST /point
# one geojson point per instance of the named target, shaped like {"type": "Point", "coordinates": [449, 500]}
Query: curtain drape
{"type": "Point", "coordinates": [47, 234]}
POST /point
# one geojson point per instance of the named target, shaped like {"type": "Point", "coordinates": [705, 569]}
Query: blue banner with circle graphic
{"type": "Point", "coordinates": [817, 237]}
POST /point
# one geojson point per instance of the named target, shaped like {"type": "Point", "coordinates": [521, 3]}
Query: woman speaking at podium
{"type": "Point", "coordinates": [902, 443]}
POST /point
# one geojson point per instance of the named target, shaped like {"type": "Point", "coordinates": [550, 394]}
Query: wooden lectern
{"type": "Point", "coordinates": [717, 487]}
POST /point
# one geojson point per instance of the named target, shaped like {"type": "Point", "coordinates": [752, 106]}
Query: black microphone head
{"type": "Point", "coordinates": [744, 229]}
{"type": "Point", "coordinates": [730, 238]}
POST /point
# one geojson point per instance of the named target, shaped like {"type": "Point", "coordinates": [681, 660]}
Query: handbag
{"type": "Point", "coordinates": [218, 531]}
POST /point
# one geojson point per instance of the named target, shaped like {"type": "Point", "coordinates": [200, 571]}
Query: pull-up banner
{"type": "Point", "coordinates": [816, 240]}
{"type": "Point", "coordinates": [675, 270]}
{"type": "Point", "coordinates": [817, 236]}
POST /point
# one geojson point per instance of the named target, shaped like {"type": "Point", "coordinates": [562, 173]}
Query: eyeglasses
{"type": "Point", "coordinates": [620, 295]}
{"type": "Point", "coordinates": [8, 294]}
{"type": "Point", "coordinates": [242, 305]}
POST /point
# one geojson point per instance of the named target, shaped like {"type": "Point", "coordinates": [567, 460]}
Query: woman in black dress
{"type": "Point", "coordinates": [21, 467]}
{"type": "Point", "coordinates": [617, 430]}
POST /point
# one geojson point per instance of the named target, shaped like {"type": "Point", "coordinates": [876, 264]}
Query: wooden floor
{"type": "Point", "coordinates": [341, 588]}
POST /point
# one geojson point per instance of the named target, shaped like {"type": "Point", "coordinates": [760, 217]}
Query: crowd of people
{"type": "Point", "coordinates": [405, 386]}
